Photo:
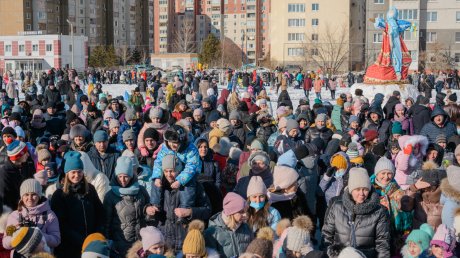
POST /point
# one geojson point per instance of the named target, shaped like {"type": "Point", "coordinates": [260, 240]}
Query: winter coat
{"type": "Point", "coordinates": [11, 178]}
{"type": "Point", "coordinates": [450, 198]}
{"type": "Point", "coordinates": [406, 164]}
{"type": "Point", "coordinates": [226, 242]}
{"type": "Point", "coordinates": [42, 217]}
{"type": "Point", "coordinates": [55, 124]}
{"type": "Point", "coordinates": [125, 126]}
{"type": "Point", "coordinates": [294, 207]}
{"type": "Point", "coordinates": [284, 142]}
{"type": "Point", "coordinates": [318, 84]}
{"type": "Point", "coordinates": [427, 207]}
{"type": "Point", "coordinates": [307, 84]}
{"type": "Point", "coordinates": [313, 132]}
{"type": "Point", "coordinates": [79, 215]}
{"type": "Point", "coordinates": [335, 117]}
{"type": "Point", "coordinates": [431, 130]}
{"type": "Point", "coordinates": [125, 214]}
{"type": "Point", "coordinates": [365, 226]}
{"type": "Point", "coordinates": [389, 107]}
{"type": "Point", "coordinates": [453, 111]}
{"type": "Point", "coordinates": [333, 186]}
{"type": "Point", "coordinates": [166, 220]}
{"type": "Point", "coordinates": [204, 86]}
{"type": "Point", "coordinates": [104, 164]}
{"type": "Point", "coordinates": [421, 115]}
{"type": "Point", "coordinates": [11, 89]}
{"type": "Point", "coordinates": [382, 126]}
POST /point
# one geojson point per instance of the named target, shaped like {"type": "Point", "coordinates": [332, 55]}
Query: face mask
{"type": "Point", "coordinates": [339, 173]}
{"type": "Point", "coordinates": [257, 205]}
{"type": "Point", "coordinates": [9, 140]}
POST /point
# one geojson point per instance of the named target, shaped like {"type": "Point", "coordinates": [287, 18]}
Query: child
{"type": "Point", "coordinates": [443, 242]}
{"type": "Point", "coordinates": [129, 123]}
{"type": "Point", "coordinates": [44, 157]}
{"type": "Point", "coordinates": [418, 242]}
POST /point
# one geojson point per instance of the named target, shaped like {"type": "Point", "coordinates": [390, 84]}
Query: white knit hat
{"type": "Point", "coordinates": [358, 177]}
{"type": "Point", "coordinates": [256, 186]}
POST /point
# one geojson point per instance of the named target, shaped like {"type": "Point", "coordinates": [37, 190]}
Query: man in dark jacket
{"type": "Point", "coordinates": [142, 84]}
{"type": "Point", "coordinates": [104, 158]}
{"type": "Point", "coordinates": [389, 107]}
{"type": "Point", "coordinates": [74, 94]}
{"type": "Point", "coordinates": [376, 122]}
{"type": "Point", "coordinates": [55, 123]}
{"type": "Point", "coordinates": [439, 124]}
{"type": "Point", "coordinates": [51, 94]}
{"type": "Point", "coordinates": [420, 113]}
{"type": "Point", "coordinates": [319, 130]}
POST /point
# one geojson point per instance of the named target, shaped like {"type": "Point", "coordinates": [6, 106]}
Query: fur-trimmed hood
{"type": "Point", "coordinates": [405, 140]}
{"type": "Point", "coordinates": [135, 250]}
{"type": "Point", "coordinates": [449, 191]}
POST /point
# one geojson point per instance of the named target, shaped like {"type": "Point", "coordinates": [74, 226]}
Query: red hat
{"type": "Point", "coordinates": [370, 135]}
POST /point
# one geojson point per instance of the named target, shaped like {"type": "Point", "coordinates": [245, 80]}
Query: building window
{"type": "Point", "coordinates": [28, 16]}
{"type": "Point", "coordinates": [296, 36]}
{"type": "Point", "coordinates": [315, 7]}
{"type": "Point", "coordinates": [49, 47]}
{"type": "Point", "coordinates": [408, 14]}
{"type": "Point", "coordinates": [27, 4]}
{"type": "Point", "coordinates": [379, 15]}
{"type": "Point", "coordinates": [457, 57]}
{"type": "Point", "coordinates": [70, 48]}
{"type": "Point", "coordinates": [21, 48]}
{"type": "Point", "coordinates": [414, 54]}
{"type": "Point", "coordinates": [378, 37]}
{"type": "Point", "coordinates": [295, 52]}
{"type": "Point", "coordinates": [314, 22]}
{"type": "Point", "coordinates": [8, 48]}
{"type": "Point", "coordinates": [41, 15]}
{"type": "Point", "coordinates": [296, 23]}
{"type": "Point", "coordinates": [314, 52]}
{"type": "Point", "coordinates": [28, 27]}
{"type": "Point", "coordinates": [431, 37]}
{"type": "Point", "coordinates": [296, 8]}
{"type": "Point", "coordinates": [314, 37]}
{"type": "Point", "coordinates": [432, 16]}
{"type": "Point", "coordinates": [457, 17]}
{"type": "Point", "coordinates": [379, 1]}
{"type": "Point", "coordinates": [457, 37]}
{"type": "Point", "coordinates": [35, 47]}
{"type": "Point", "coordinates": [408, 35]}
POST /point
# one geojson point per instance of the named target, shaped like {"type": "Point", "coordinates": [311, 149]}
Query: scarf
{"type": "Point", "coordinates": [131, 190]}
{"type": "Point", "coordinates": [276, 197]}
{"type": "Point", "coordinates": [37, 123]}
{"type": "Point", "coordinates": [399, 118]}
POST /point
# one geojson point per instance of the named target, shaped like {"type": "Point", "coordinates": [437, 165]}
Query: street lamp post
{"type": "Point", "coordinates": [71, 35]}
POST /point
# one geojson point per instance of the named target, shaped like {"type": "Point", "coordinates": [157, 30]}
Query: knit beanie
{"type": "Point", "coordinates": [234, 115]}
{"type": "Point", "coordinates": [43, 154]}
{"type": "Point", "coordinates": [113, 123]}
{"type": "Point", "coordinates": [445, 237]}
{"type": "Point", "coordinates": [321, 117]}
{"type": "Point", "coordinates": [155, 112]}
{"type": "Point", "coordinates": [72, 161]}
{"type": "Point", "coordinates": [283, 177]}
{"type": "Point", "coordinates": [298, 236]}
{"type": "Point", "coordinates": [30, 186]}
{"type": "Point", "coordinates": [172, 162]}
{"type": "Point", "coordinates": [92, 237]}
{"type": "Point", "coordinates": [301, 151]}
{"type": "Point", "coordinates": [151, 133]}
{"type": "Point", "coordinates": [352, 150]}
{"type": "Point", "coordinates": [151, 236]}
{"type": "Point", "coordinates": [384, 164]}
{"type": "Point", "coordinates": [370, 135]}
{"type": "Point", "coordinates": [16, 150]}
{"type": "Point", "coordinates": [20, 132]}
{"type": "Point", "coordinates": [96, 248]}
{"type": "Point", "coordinates": [441, 138]}
{"type": "Point", "coordinates": [259, 155]}
{"type": "Point", "coordinates": [257, 145]}
{"type": "Point", "coordinates": [396, 128]}
{"type": "Point", "coordinates": [339, 161]}
{"type": "Point", "coordinates": [100, 136]}
{"type": "Point", "coordinates": [130, 114]}
{"type": "Point", "coordinates": [262, 246]}
{"type": "Point", "coordinates": [256, 186]}
{"type": "Point", "coordinates": [128, 135]}
{"type": "Point", "coordinates": [453, 177]}
{"type": "Point", "coordinates": [78, 130]}
{"type": "Point", "coordinates": [108, 114]}
{"type": "Point", "coordinates": [353, 118]}
{"type": "Point", "coordinates": [291, 124]}
{"type": "Point", "coordinates": [358, 177]}
{"type": "Point", "coordinates": [124, 166]}
{"type": "Point", "coordinates": [282, 123]}
{"type": "Point", "coordinates": [224, 125]}
{"type": "Point", "coordinates": [26, 239]}
{"type": "Point", "coordinates": [233, 203]}
{"type": "Point", "coordinates": [9, 130]}
{"type": "Point", "coordinates": [194, 241]}
{"type": "Point", "coordinates": [421, 237]}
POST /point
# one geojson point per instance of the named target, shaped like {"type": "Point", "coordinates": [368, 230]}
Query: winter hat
{"type": "Point", "coordinates": [53, 167]}
{"type": "Point", "coordinates": [151, 236]}
{"type": "Point", "coordinates": [124, 166]}
{"type": "Point", "coordinates": [441, 138]}
{"type": "Point", "coordinates": [155, 112]}
{"type": "Point", "coordinates": [453, 177]}
{"type": "Point", "coordinates": [358, 177]}
{"type": "Point", "coordinates": [370, 135]}
{"type": "Point", "coordinates": [96, 248]}
{"type": "Point", "coordinates": [321, 117]}
{"type": "Point", "coordinates": [350, 252]}
{"type": "Point", "coordinates": [262, 246]}
{"type": "Point", "coordinates": [100, 136]}
{"type": "Point", "coordinates": [445, 237]}
{"type": "Point", "coordinates": [453, 97]}
{"type": "Point", "coordinates": [9, 130]}
{"type": "Point", "coordinates": [16, 150]}
{"type": "Point", "coordinates": [301, 151]}
{"type": "Point", "coordinates": [353, 118]}
{"type": "Point", "coordinates": [171, 162]}
{"type": "Point", "coordinates": [43, 154]}
{"type": "Point", "coordinates": [339, 161]}
{"type": "Point", "coordinates": [345, 140]}
{"type": "Point", "coordinates": [352, 150]}
{"type": "Point", "coordinates": [259, 155]}
{"type": "Point", "coordinates": [256, 186]}
{"type": "Point", "coordinates": [234, 115]}
{"type": "Point", "coordinates": [257, 145]}
{"type": "Point", "coordinates": [128, 135]}
{"type": "Point", "coordinates": [223, 146]}
{"type": "Point", "coordinates": [233, 203]}
{"type": "Point", "coordinates": [30, 186]}
{"type": "Point", "coordinates": [283, 177]}
{"type": "Point", "coordinates": [72, 161]}
{"type": "Point", "coordinates": [234, 153]}
{"type": "Point", "coordinates": [151, 133]}
{"type": "Point", "coordinates": [298, 236]}
{"type": "Point", "coordinates": [194, 241]}
{"type": "Point", "coordinates": [421, 237]}
{"type": "Point", "coordinates": [78, 130]}
{"type": "Point", "coordinates": [113, 124]}
{"type": "Point", "coordinates": [282, 123]}
{"type": "Point", "coordinates": [26, 239]}
{"type": "Point", "coordinates": [224, 125]}
{"type": "Point", "coordinates": [340, 102]}
{"type": "Point", "coordinates": [130, 114]}
{"type": "Point", "coordinates": [198, 112]}
{"type": "Point", "coordinates": [396, 128]}
{"type": "Point", "coordinates": [92, 237]}
{"type": "Point", "coordinates": [108, 114]}
{"type": "Point", "coordinates": [384, 164]}
{"type": "Point", "coordinates": [282, 111]}
{"type": "Point", "coordinates": [291, 124]}
{"type": "Point", "coordinates": [20, 132]}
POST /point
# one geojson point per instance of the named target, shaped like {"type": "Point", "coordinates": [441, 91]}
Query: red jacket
{"type": "Point", "coordinates": [307, 84]}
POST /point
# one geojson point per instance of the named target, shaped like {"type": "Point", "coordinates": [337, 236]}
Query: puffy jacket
{"type": "Point", "coordinates": [335, 117]}
{"type": "Point", "coordinates": [389, 107]}
{"type": "Point", "coordinates": [432, 130]}
{"type": "Point", "coordinates": [125, 214]}
{"type": "Point", "coordinates": [11, 178]}
{"type": "Point", "coordinates": [284, 142]}
{"type": "Point", "coordinates": [44, 218]}
{"type": "Point", "coordinates": [365, 226]}
{"type": "Point", "coordinates": [104, 164]}
{"type": "Point", "coordinates": [420, 116]}
{"type": "Point", "coordinates": [313, 132]}
{"type": "Point", "coordinates": [450, 198]}
{"type": "Point", "coordinates": [406, 164]}
{"type": "Point", "coordinates": [51, 96]}
{"type": "Point", "coordinates": [226, 242]}
{"type": "Point", "coordinates": [382, 126]}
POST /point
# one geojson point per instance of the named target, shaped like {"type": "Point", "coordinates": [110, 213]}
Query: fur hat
{"type": "Point", "coordinates": [223, 147]}
{"type": "Point", "coordinates": [262, 246]}
{"type": "Point", "coordinates": [78, 130]}
{"type": "Point", "coordinates": [234, 153]}
{"type": "Point", "coordinates": [298, 236]}
{"type": "Point", "coordinates": [259, 155]}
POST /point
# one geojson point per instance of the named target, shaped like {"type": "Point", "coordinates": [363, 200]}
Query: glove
{"type": "Point", "coordinates": [408, 149]}
{"type": "Point", "coordinates": [330, 171]}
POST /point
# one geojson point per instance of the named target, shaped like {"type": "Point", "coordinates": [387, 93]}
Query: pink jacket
{"type": "Point", "coordinates": [406, 164]}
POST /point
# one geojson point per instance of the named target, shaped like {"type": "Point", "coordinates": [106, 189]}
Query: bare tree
{"type": "Point", "coordinates": [184, 37]}
{"type": "Point", "coordinates": [438, 58]}
{"type": "Point", "coordinates": [329, 50]}
{"type": "Point", "coordinates": [124, 53]}
{"type": "Point", "coordinates": [232, 54]}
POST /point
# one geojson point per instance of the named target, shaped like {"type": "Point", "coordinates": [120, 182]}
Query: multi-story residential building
{"type": "Point", "coordinates": [320, 34]}
{"type": "Point", "coordinates": [435, 31]}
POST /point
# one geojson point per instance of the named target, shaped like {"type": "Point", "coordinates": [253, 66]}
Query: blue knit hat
{"type": "Point", "coordinates": [421, 237]}
{"type": "Point", "coordinates": [72, 161]}
{"type": "Point", "coordinates": [96, 248]}
{"type": "Point", "coordinates": [396, 128]}
{"type": "Point", "coordinates": [124, 166]}
{"type": "Point", "coordinates": [100, 136]}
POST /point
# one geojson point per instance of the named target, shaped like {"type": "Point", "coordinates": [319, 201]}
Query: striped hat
{"type": "Point", "coordinates": [352, 151]}
{"type": "Point", "coordinates": [16, 150]}
{"type": "Point", "coordinates": [26, 239]}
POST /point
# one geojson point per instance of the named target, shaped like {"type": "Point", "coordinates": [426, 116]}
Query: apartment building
{"type": "Point", "coordinates": [435, 31]}
{"type": "Point", "coordinates": [318, 34]}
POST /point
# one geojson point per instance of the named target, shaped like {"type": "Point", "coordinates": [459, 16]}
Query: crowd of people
{"type": "Point", "coordinates": [185, 169]}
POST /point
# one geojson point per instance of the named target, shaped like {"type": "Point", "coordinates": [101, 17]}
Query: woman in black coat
{"type": "Point", "coordinates": [78, 208]}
